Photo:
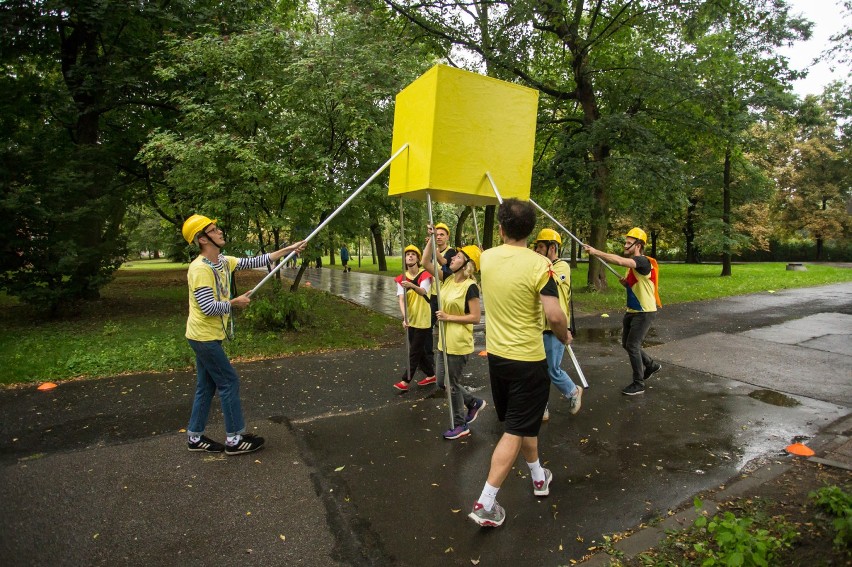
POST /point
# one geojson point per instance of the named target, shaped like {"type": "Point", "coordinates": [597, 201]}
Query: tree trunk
{"type": "Point", "coordinates": [376, 231]}
{"type": "Point", "coordinates": [596, 279]}
{"type": "Point", "coordinates": [574, 248]}
{"type": "Point", "coordinates": [726, 214]}
{"type": "Point", "coordinates": [689, 231]}
{"type": "Point", "coordinates": [457, 241]}
{"type": "Point", "coordinates": [653, 235]}
{"type": "Point", "coordinates": [488, 227]}
{"type": "Point", "coordinates": [298, 278]}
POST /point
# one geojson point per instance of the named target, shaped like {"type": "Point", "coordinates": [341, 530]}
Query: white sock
{"type": "Point", "coordinates": [233, 440]}
{"type": "Point", "coordinates": [194, 438]}
{"type": "Point", "coordinates": [536, 471]}
{"type": "Point", "coordinates": [488, 496]}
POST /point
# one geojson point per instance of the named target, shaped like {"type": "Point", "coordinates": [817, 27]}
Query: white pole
{"type": "Point", "coordinates": [331, 216]}
{"type": "Point", "coordinates": [577, 366]}
{"type": "Point", "coordinates": [405, 293]}
{"type": "Point", "coordinates": [441, 326]}
{"type": "Point", "coordinates": [494, 187]}
{"type": "Point", "coordinates": [548, 215]}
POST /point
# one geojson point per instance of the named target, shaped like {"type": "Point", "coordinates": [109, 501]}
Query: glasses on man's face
{"type": "Point", "coordinates": [215, 229]}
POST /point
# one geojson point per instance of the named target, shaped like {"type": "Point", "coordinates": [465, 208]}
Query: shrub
{"type": "Point", "coordinates": [838, 503]}
{"type": "Point", "coordinates": [739, 541]}
{"type": "Point", "coordinates": [279, 310]}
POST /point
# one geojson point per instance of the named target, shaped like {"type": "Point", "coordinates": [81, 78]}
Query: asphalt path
{"type": "Point", "coordinates": [96, 472]}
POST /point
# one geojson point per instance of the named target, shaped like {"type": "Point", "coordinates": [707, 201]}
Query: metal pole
{"type": "Point", "coordinates": [577, 366]}
{"type": "Point", "coordinates": [476, 227]}
{"type": "Point", "coordinates": [441, 334]}
{"type": "Point", "coordinates": [331, 216]}
{"type": "Point", "coordinates": [494, 187]}
{"type": "Point", "coordinates": [548, 215]}
{"type": "Point", "coordinates": [404, 293]}
{"type": "Point", "coordinates": [567, 347]}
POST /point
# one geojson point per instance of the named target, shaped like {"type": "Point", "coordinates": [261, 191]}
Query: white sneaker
{"type": "Point", "coordinates": [575, 401]}
{"type": "Point", "coordinates": [542, 488]}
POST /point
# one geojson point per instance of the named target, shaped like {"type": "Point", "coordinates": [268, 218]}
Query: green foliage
{"type": "Point", "coordinates": [79, 98]}
{"type": "Point", "coordinates": [740, 542]}
{"type": "Point", "coordinates": [838, 503]}
{"type": "Point", "coordinates": [279, 310]}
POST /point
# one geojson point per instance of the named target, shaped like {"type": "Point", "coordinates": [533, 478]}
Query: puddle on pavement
{"type": "Point", "coordinates": [610, 335]}
{"type": "Point", "coordinates": [774, 398]}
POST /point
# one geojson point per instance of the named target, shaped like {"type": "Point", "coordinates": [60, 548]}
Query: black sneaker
{"type": "Point", "coordinates": [205, 444]}
{"type": "Point", "coordinates": [653, 369]}
{"type": "Point", "coordinates": [634, 389]}
{"type": "Point", "coordinates": [248, 443]}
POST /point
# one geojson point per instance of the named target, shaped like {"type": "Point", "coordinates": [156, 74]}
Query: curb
{"type": "Point", "coordinates": [833, 443]}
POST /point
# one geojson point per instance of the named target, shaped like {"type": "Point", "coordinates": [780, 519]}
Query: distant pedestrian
{"type": "Point", "coordinates": [642, 302]}
{"type": "Point", "coordinates": [518, 285]}
{"type": "Point", "coordinates": [547, 244]}
{"type": "Point", "coordinates": [459, 311]}
{"type": "Point", "coordinates": [412, 289]}
{"type": "Point", "coordinates": [344, 258]}
{"type": "Point", "coordinates": [209, 322]}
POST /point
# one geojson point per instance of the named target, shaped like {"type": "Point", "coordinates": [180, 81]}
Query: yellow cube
{"type": "Point", "coordinates": [459, 125]}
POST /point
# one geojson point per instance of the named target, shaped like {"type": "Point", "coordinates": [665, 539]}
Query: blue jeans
{"type": "Point", "coordinates": [215, 373]}
{"type": "Point", "coordinates": [554, 350]}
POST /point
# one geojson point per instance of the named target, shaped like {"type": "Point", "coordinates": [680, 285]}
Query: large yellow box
{"type": "Point", "coordinates": [460, 125]}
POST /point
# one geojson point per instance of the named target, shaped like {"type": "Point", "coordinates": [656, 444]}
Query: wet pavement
{"type": "Point", "coordinates": [95, 472]}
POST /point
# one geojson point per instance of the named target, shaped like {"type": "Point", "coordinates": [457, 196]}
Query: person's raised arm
{"type": "Point", "coordinates": [610, 258]}
{"type": "Point", "coordinates": [427, 255]}
{"type": "Point", "coordinates": [297, 246]}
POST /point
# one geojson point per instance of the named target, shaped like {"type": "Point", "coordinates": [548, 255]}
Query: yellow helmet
{"type": "Point", "coordinates": [472, 253]}
{"type": "Point", "coordinates": [549, 235]}
{"type": "Point", "coordinates": [638, 234]}
{"type": "Point", "coordinates": [193, 225]}
{"type": "Point", "coordinates": [442, 225]}
{"type": "Point", "coordinates": [412, 248]}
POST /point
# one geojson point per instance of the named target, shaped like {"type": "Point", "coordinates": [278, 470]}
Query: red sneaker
{"type": "Point", "coordinates": [428, 380]}
{"type": "Point", "coordinates": [402, 386]}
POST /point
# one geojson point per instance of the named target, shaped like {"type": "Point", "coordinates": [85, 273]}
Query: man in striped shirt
{"type": "Point", "coordinates": [210, 305]}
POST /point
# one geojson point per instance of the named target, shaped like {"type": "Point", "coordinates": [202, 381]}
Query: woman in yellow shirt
{"type": "Point", "coordinates": [459, 311]}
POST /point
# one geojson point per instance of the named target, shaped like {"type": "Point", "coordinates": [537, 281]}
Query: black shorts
{"type": "Point", "coordinates": [520, 390]}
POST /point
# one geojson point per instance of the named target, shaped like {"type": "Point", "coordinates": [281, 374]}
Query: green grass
{"type": "Point", "coordinates": [681, 283]}
{"type": "Point", "coordinates": [138, 324]}
{"type": "Point", "coordinates": [159, 264]}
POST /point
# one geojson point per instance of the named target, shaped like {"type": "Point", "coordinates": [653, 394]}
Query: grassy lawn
{"type": "Point", "coordinates": [138, 325]}
{"type": "Point", "coordinates": [679, 283]}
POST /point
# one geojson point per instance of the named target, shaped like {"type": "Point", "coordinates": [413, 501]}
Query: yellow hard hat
{"type": "Point", "coordinates": [472, 253]}
{"type": "Point", "coordinates": [638, 234]}
{"type": "Point", "coordinates": [549, 235]}
{"type": "Point", "coordinates": [412, 248]}
{"type": "Point", "coordinates": [442, 225]}
{"type": "Point", "coordinates": [193, 225]}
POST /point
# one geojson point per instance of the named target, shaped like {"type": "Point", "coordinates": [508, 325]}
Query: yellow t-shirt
{"type": "Point", "coordinates": [562, 276]}
{"type": "Point", "coordinates": [640, 287]}
{"type": "Point", "coordinates": [419, 309]}
{"type": "Point", "coordinates": [454, 299]}
{"type": "Point", "coordinates": [201, 327]}
{"type": "Point", "coordinates": [512, 279]}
